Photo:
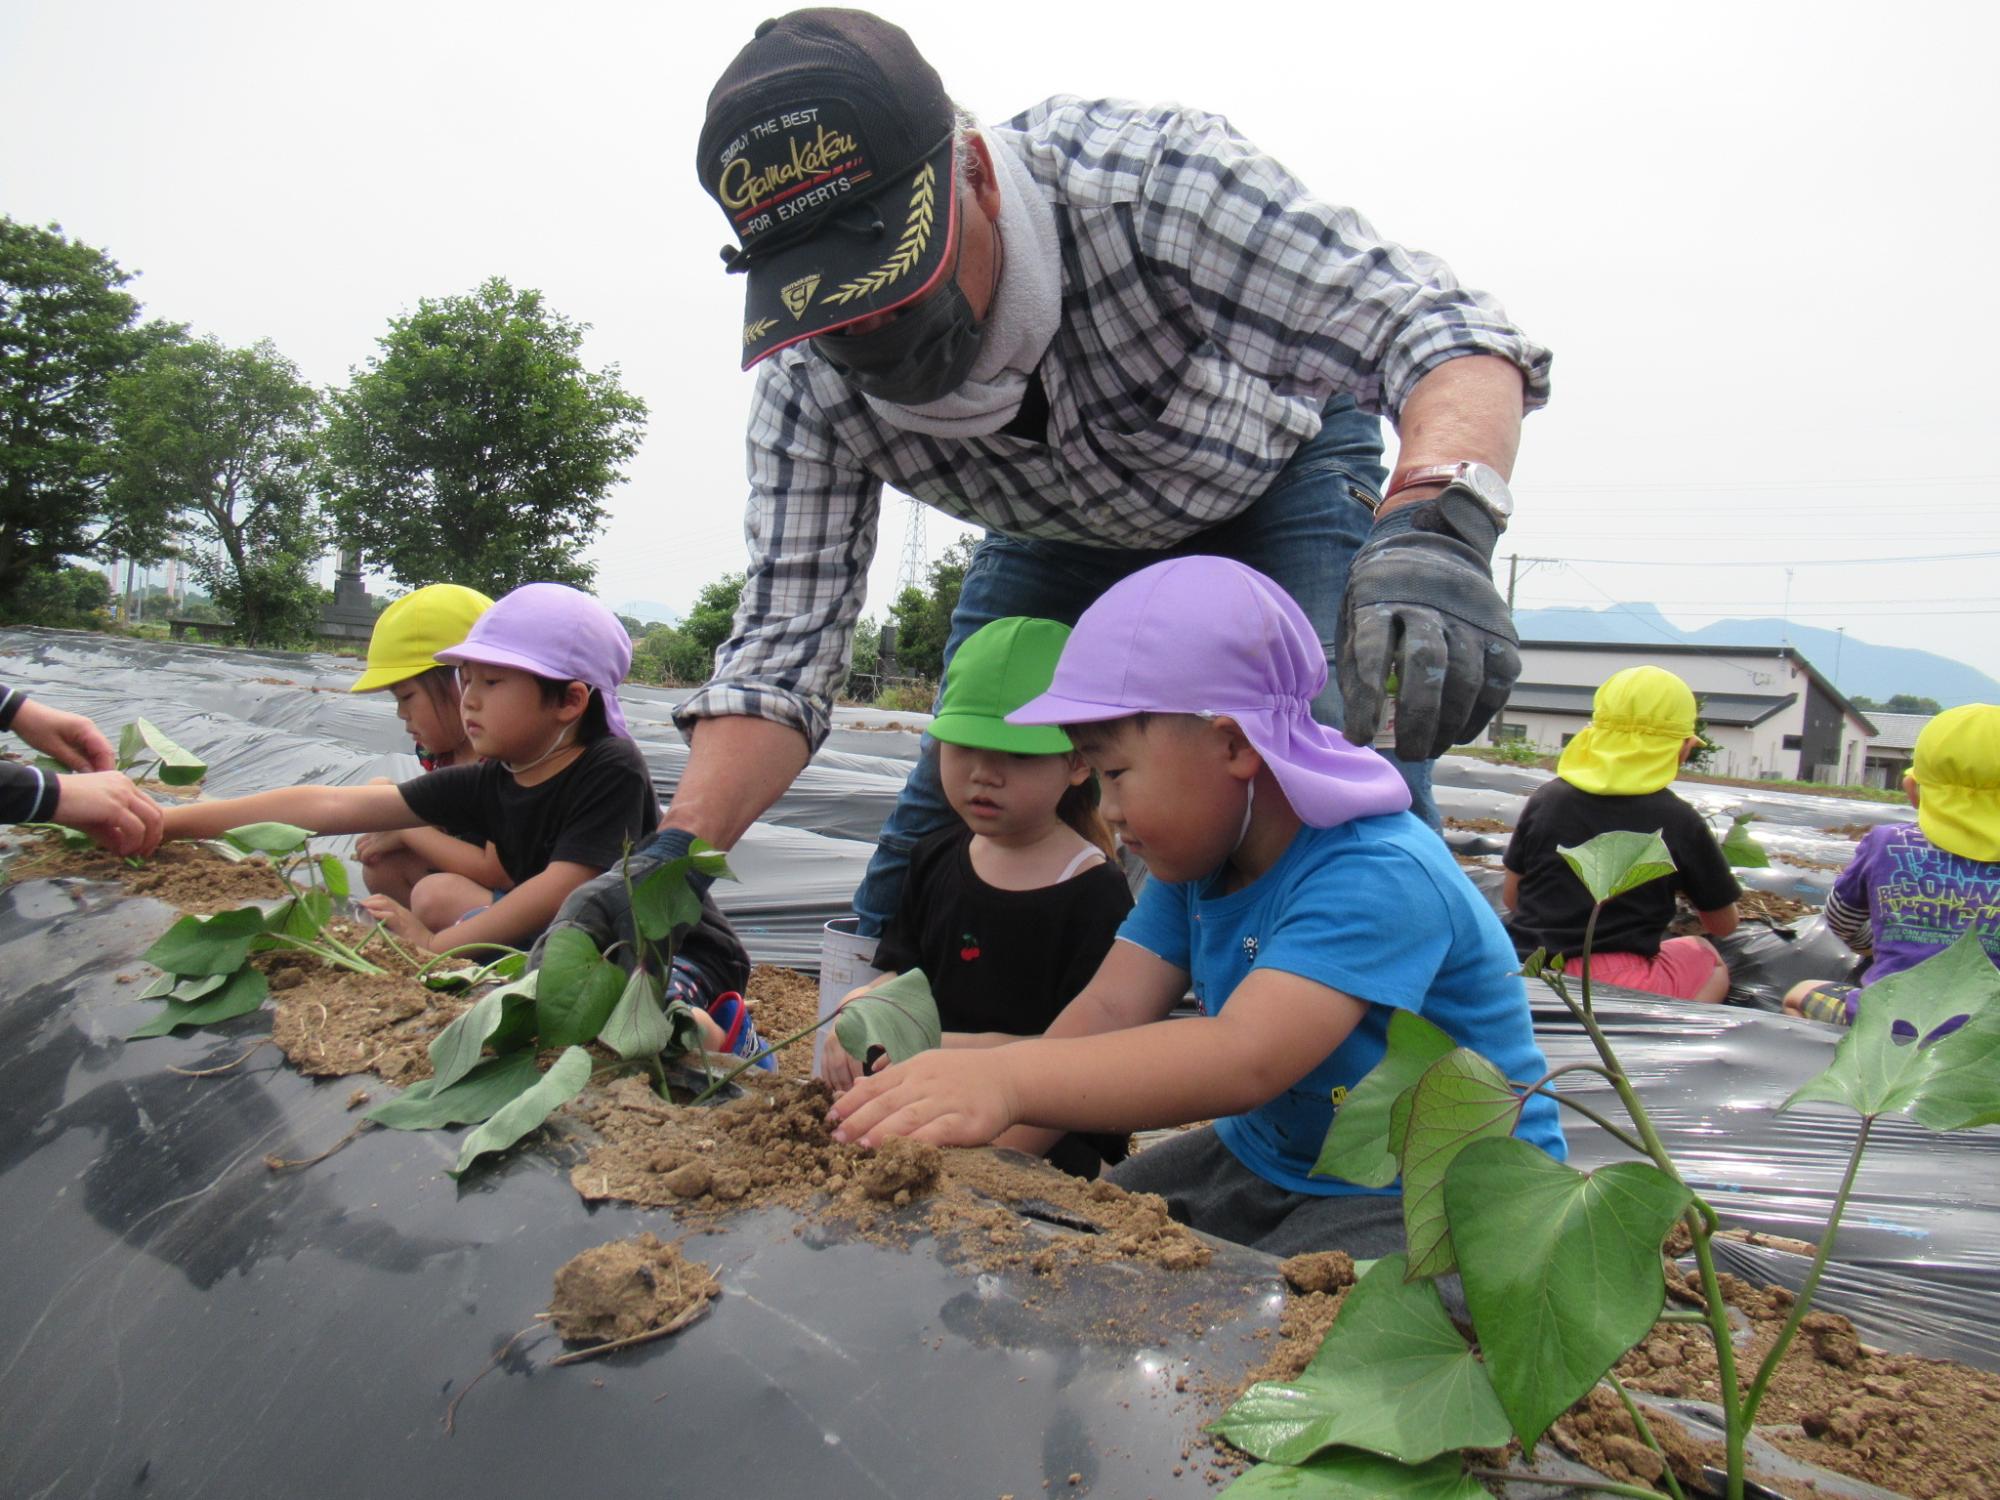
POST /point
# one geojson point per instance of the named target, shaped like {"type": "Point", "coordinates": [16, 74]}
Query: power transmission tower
{"type": "Point", "coordinates": [910, 572]}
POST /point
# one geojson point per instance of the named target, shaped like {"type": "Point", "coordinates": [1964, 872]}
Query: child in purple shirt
{"type": "Point", "coordinates": [1914, 889]}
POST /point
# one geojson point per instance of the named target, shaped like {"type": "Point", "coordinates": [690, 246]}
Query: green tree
{"type": "Point", "coordinates": [222, 443]}
{"type": "Point", "coordinates": [923, 616]}
{"type": "Point", "coordinates": [476, 448]}
{"type": "Point", "coordinates": [714, 614]}
{"type": "Point", "coordinates": [69, 596]}
{"type": "Point", "coordinates": [67, 329]}
{"type": "Point", "coordinates": [669, 654]}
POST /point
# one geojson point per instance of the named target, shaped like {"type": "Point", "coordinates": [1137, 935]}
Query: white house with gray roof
{"type": "Point", "coordinates": [1769, 711]}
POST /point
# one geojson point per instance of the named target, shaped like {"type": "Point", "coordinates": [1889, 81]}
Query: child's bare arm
{"type": "Point", "coordinates": [323, 809]}
{"type": "Point", "coordinates": [1720, 922]}
{"type": "Point", "coordinates": [517, 918]}
{"type": "Point", "coordinates": [454, 856]}
{"type": "Point", "coordinates": [1275, 1029]}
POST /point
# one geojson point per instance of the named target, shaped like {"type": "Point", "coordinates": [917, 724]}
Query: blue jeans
{"type": "Point", "coordinates": [1303, 532]}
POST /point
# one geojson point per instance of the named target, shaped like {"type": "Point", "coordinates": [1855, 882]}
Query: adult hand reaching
{"type": "Point", "coordinates": [70, 738]}
{"type": "Point", "coordinates": [601, 909]}
{"type": "Point", "coordinates": [1421, 605]}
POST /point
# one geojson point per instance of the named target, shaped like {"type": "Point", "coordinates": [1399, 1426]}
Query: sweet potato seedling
{"type": "Point", "coordinates": [1562, 1269]}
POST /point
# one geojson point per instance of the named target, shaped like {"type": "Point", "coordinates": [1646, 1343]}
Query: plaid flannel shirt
{"type": "Point", "coordinates": [1211, 309]}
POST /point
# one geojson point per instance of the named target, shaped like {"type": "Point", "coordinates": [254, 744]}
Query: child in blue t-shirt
{"type": "Point", "coordinates": [1291, 886]}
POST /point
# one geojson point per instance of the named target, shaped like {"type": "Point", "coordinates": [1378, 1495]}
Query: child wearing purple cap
{"type": "Point", "coordinates": [559, 793]}
{"type": "Point", "coordinates": [1292, 888]}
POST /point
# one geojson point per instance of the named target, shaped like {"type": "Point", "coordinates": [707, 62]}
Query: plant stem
{"type": "Point", "coordinates": [1646, 1431]}
{"type": "Point", "coordinates": [750, 1062]}
{"type": "Point", "coordinates": [1804, 1299]}
{"type": "Point", "coordinates": [1729, 1398]}
{"type": "Point", "coordinates": [1589, 940]}
{"type": "Point", "coordinates": [1599, 1486]}
{"type": "Point", "coordinates": [1630, 1143]}
{"type": "Point", "coordinates": [335, 952]}
{"type": "Point", "coordinates": [438, 958]}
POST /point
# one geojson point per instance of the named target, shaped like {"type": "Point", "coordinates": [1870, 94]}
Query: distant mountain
{"type": "Point", "coordinates": [1854, 666]}
{"type": "Point", "coordinates": [650, 610]}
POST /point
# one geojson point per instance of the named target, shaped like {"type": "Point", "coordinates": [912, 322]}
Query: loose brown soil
{"type": "Point", "coordinates": [1924, 1428]}
{"type": "Point", "coordinates": [628, 1288]}
{"type": "Point", "coordinates": [773, 1146]}
{"type": "Point", "coordinates": [1769, 907]}
{"type": "Point", "coordinates": [783, 1001]}
{"type": "Point", "coordinates": [1851, 830]}
{"type": "Point", "coordinates": [1478, 825]}
{"type": "Point", "coordinates": [188, 876]}
{"type": "Point", "coordinates": [330, 1022]}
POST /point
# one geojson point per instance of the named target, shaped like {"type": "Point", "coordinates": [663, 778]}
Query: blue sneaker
{"type": "Point", "coordinates": [739, 1032]}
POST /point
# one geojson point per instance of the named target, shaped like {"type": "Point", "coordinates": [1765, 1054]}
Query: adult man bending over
{"type": "Point", "coordinates": [1107, 333]}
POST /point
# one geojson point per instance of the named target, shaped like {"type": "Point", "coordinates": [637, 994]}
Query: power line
{"type": "Point", "coordinates": [1776, 562]}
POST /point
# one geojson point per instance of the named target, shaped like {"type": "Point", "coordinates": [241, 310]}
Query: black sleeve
{"type": "Point", "coordinates": [604, 806]}
{"type": "Point", "coordinates": [899, 949]}
{"type": "Point", "coordinates": [448, 798]}
{"type": "Point", "coordinates": [28, 794]}
{"type": "Point", "coordinates": [11, 700]}
{"type": "Point", "coordinates": [1704, 873]}
{"type": "Point", "coordinates": [1517, 855]}
{"type": "Point", "coordinates": [713, 946]}
{"type": "Point", "coordinates": [1103, 899]}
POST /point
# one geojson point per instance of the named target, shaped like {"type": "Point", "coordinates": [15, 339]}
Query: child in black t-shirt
{"type": "Point", "coordinates": [1614, 776]}
{"type": "Point", "coordinates": [1009, 913]}
{"type": "Point", "coordinates": [560, 793]}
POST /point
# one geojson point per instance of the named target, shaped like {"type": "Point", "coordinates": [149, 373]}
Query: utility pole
{"type": "Point", "coordinates": [1515, 570]}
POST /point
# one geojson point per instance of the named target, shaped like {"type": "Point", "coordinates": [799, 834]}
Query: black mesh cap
{"type": "Point", "coordinates": [828, 146]}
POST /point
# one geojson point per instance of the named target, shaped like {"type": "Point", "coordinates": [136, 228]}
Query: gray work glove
{"type": "Point", "coordinates": [600, 908]}
{"type": "Point", "coordinates": [1421, 605]}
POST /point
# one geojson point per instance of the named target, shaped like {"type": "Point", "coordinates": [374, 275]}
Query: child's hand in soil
{"type": "Point", "coordinates": [115, 813]}
{"type": "Point", "coordinates": [945, 1097]}
{"type": "Point", "coordinates": [402, 924]}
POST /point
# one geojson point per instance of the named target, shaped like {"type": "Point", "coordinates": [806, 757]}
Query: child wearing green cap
{"type": "Point", "coordinates": [1009, 913]}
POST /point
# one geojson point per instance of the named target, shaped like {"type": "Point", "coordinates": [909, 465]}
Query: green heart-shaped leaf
{"type": "Point", "coordinates": [1613, 863]}
{"type": "Point", "coordinates": [514, 1119]}
{"type": "Point", "coordinates": [1393, 1377]}
{"type": "Point", "coordinates": [208, 945]}
{"type": "Point", "coordinates": [1896, 1057]}
{"type": "Point", "coordinates": [455, 1050]}
{"type": "Point", "coordinates": [131, 744]}
{"type": "Point", "coordinates": [475, 1097]}
{"type": "Point", "coordinates": [267, 838]}
{"type": "Point", "coordinates": [1561, 1269]}
{"type": "Point", "coordinates": [1461, 1098]}
{"type": "Point", "coordinates": [1742, 851]}
{"type": "Point", "coordinates": [705, 859]}
{"type": "Point", "coordinates": [898, 1015]}
{"type": "Point", "coordinates": [637, 1025]}
{"type": "Point", "coordinates": [1350, 1474]}
{"type": "Point", "coordinates": [1358, 1147]}
{"type": "Point", "coordinates": [576, 992]}
{"type": "Point", "coordinates": [334, 874]}
{"type": "Point", "coordinates": [301, 916]}
{"type": "Point", "coordinates": [662, 903]}
{"type": "Point", "coordinates": [177, 766]}
{"type": "Point", "coordinates": [241, 993]}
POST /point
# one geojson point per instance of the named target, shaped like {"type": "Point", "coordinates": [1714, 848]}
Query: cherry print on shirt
{"type": "Point", "coordinates": [969, 947]}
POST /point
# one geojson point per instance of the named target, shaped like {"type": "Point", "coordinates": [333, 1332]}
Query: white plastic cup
{"type": "Point", "coordinates": [846, 962]}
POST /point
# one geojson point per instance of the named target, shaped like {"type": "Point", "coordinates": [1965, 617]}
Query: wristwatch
{"type": "Point", "coordinates": [1481, 480]}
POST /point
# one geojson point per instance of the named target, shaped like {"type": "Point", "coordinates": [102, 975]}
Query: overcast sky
{"type": "Point", "coordinates": [1760, 238]}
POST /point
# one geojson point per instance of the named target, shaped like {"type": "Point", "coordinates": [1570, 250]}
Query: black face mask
{"type": "Point", "coordinates": [922, 355]}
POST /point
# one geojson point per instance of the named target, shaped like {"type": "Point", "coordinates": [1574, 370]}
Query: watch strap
{"type": "Point", "coordinates": [1426, 474]}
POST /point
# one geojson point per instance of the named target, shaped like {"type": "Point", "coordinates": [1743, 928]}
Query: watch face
{"type": "Point", "coordinates": [1487, 484]}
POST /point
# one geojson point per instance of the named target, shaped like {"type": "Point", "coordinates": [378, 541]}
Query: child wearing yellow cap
{"type": "Point", "coordinates": [1614, 777]}
{"type": "Point", "coordinates": [403, 660]}
{"type": "Point", "coordinates": [1912, 889]}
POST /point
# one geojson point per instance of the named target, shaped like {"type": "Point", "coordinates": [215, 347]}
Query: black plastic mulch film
{"type": "Point", "coordinates": [180, 1320]}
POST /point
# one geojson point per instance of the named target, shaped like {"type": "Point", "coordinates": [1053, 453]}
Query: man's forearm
{"type": "Point", "coordinates": [1466, 408]}
{"type": "Point", "coordinates": [737, 767]}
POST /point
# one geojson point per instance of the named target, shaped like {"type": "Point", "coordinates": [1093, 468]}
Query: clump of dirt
{"type": "Point", "coordinates": [1302, 1327]}
{"type": "Point", "coordinates": [628, 1288]}
{"type": "Point", "coordinates": [1598, 1431]}
{"type": "Point", "coordinates": [1320, 1271]}
{"type": "Point", "coordinates": [773, 1143]}
{"type": "Point", "coordinates": [1851, 830]}
{"type": "Point", "coordinates": [1770, 907]}
{"type": "Point", "coordinates": [189, 876]}
{"type": "Point", "coordinates": [1478, 825]}
{"type": "Point", "coordinates": [783, 1001]}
